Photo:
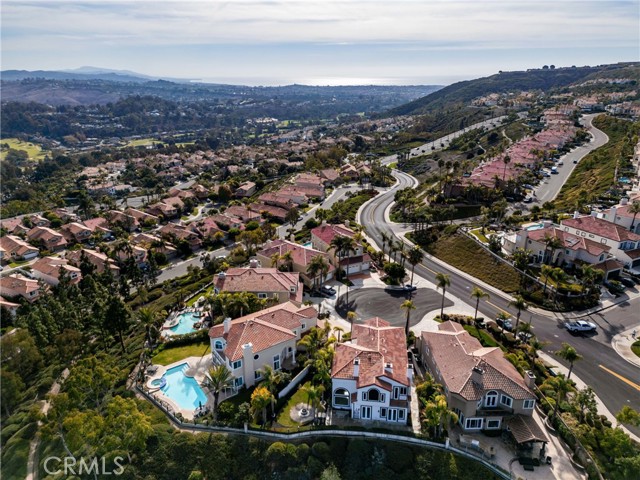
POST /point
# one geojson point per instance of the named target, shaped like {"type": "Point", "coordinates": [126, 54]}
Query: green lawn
{"type": "Point", "coordinates": [485, 337]}
{"type": "Point", "coordinates": [18, 264]}
{"type": "Point", "coordinates": [484, 238]}
{"type": "Point", "coordinates": [142, 142]}
{"type": "Point", "coordinates": [170, 355]}
{"type": "Point", "coordinates": [284, 418]}
{"type": "Point", "coordinates": [205, 294]}
{"type": "Point", "coordinates": [635, 347]}
{"type": "Point", "coordinates": [34, 151]}
{"type": "Point", "coordinates": [468, 256]}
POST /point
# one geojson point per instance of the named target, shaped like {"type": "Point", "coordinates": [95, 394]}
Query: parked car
{"type": "Point", "coordinates": [614, 286]}
{"type": "Point", "coordinates": [528, 199]}
{"type": "Point", "coordinates": [409, 288]}
{"type": "Point", "coordinates": [575, 161]}
{"type": "Point", "coordinates": [560, 163]}
{"type": "Point", "coordinates": [328, 290]}
{"type": "Point", "coordinates": [580, 326]}
{"type": "Point", "coordinates": [627, 282]}
{"type": "Point", "coordinates": [506, 324]}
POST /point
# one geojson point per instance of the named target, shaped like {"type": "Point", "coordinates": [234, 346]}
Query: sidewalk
{"type": "Point", "coordinates": [602, 409]}
{"type": "Point", "coordinates": [622, 345]}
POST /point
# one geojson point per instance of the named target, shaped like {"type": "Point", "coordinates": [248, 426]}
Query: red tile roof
{"type": "Point", "coordinates": [301, 255]}
{"type": "Point", "coordinates": [266, 280]}
{"type": "Point", "coordinates": [328, 231]}
{"type": "Point", "coordinates": [569, 241]}
{"type": "Point", "coordinates": [601, 227]}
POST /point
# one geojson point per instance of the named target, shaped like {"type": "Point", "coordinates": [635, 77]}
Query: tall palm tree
{"type": "Point", "coordinates": [352, 317]}
{"type": "Point", "coordinates": [635, 209]}
{"type": "Point", "coordinates": [313, 393]}
{"type": "Point", "coordinates": [560, 386]}
{"type": "Point", "coordinates": [407, 306]}
{"type": "Point", "coordinates": [546, 272]}
{"type": "Point", "coordinates": [442, 281]}
{"type": "Point", "coordinates": [386, 238]}
{"type": "Point", "coordinates": [401, 249]}
{"type": "Point", "coordinates": [218, 378]}
{"type": "Point", "coordinates": [339, 330]}
{"type": "Point", "coordinates": [478, 294]}
{"type": "Point", "coordinates": [317, 265]}
{"type": "Point", "coordinates": [275, 258]}
{"type": "Point", "coordinates": [535, 346]}
{"type": "Point", "coordinates": [506, 160]}
{"type": "Point", "coordinates": [148, 318]}
{"type": "Point", "coordinates": [414, 256]}
{"type": "Point", "coordinates": [271, 380]}
{"type": "Point", "coordinates": [570, 355]}
{"type": "Point", "coordinates": [287, 258]}
{"type": "Point", "coordinates": [519, 303]}
{"type": "Point", "coordinates": [590, 276]}
{"type": "Point", "coordinates": [559, 276]}
{"type": "Point", "coordinates": [551, 244]}
{"type": "Point", "coordinates": [260, 400]}
{"type": "Point", "coordinates": [438, 411]}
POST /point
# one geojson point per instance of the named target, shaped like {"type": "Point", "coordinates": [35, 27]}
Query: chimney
{"type": "Point", "coordinates": [346, 223]}
{"type": "Point", "coordinates": [624, 201]}
{"type": "Point", "coordinates": [222, 275]}
{"type": "Point", "coordinates": [530, 379]}
{"type": "Point", "coordinates": [388, 367]}
{"type": "Point", "coordinates": [476, 375]}
{"type": "Point", "coordinates": [254, 263]}
{"type": "Point", "coordinates": [356, 367]}
{"type": "Point", "coordinates": [576, 214]}
{"type": "Point", "coordinates": [247, 360]}
{"type": "Point", "coordinates": [324, 222]}
{"type": "Point", "coordinates": [226, 324]}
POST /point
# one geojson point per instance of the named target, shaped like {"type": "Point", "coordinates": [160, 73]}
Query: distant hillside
{"type": "Point", "coordinates": [14, 75]}
{"type": "Point", "coordinates": [538, 79]}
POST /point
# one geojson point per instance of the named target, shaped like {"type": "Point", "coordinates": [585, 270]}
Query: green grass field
{"type": "Point", "coordinates": [142, 142]}
{"type": "Point", "coordinates": [635, 348]}
{"type": "Point", "coordinates": [284, 418]}
{"type": "Point", "coordinates": [34, 151]}
{"type": "Point", "coordinates": [171, 355]}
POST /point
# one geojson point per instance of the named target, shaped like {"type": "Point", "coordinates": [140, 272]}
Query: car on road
{"type": "Point", "coordinates": [560, 163]}
{"type": "Point", "coordinates": [528, 199]}
{"type": "Point", "coordinates": [575, 161]}
{"type": "Point", "coordinates": [409, 288]}
{"type": "Point", "coordinates": [580, 326]}
{"type": "Point", "coordinates": [627, 282]}
{"type": "Point", "coordinates": [507, 324]}
{"type": "Point", "coordinates": [327, 290]}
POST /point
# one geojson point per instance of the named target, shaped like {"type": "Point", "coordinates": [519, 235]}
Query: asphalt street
{"type": "Point", "coordinates": [376, 302]}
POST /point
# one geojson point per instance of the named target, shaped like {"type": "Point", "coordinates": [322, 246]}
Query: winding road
{"type": "Point", "coordinates": [614, 380]}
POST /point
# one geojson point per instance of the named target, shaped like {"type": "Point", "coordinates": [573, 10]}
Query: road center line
{"type": "Point", "coordinates": [624, 379]}
{"type": "Point", "coordinates": [497, 307]}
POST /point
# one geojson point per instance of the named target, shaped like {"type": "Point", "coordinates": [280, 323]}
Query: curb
{"type": "Point", "coordinates": [621, 343]}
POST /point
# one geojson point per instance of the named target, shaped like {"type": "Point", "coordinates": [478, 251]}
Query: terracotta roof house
{"type": "Point", "coordinates": [301, 257]}
{"type": "Point", "coordinates": [16, 285]}
{"type": "Point", "coordinates": [95, 258]}
{"type": "Point", "coordinates": [277, 213]}
{"type": "Point", "coordinates": [277, 200]}
{"type": "Point", "coordinates": [482, 386]}
{"type": "Point", "coordinates": [14, 248]}
{"type": "Point", "coordinates": [171, 231]}
{"type": "Point", "coordinates": [264, 282]}
{"type": "Point", "coordinates": [308, 180]}
{"type": "Point", "coordinates": [141, 216]}
{"type": "Point", "coordinates": [330, 176]}
{"type": "Point", "coordinates": [10, 224]}
{"type": "Point", "coordinates": [620, 215]}
{"type": "Point", "coordinates": [246, 189]}
{"type": "Point", "coordinates": [50, 269]}
{"type": "Point", "coordinates": [162, 209]}
{"type": "Point", "coordinates": [50, 239]}
{"type": "Point", "coordinates": [370, 374]}
{"type": "Point", "coordinates": [265, 338]}
{"type": "Point", "coordinates": [244, 214]}
{"type": "Point", "coordinates": [39, 221]}
{"type": "Point", "coordinates": [138, 254]}
{"type": "Point", "coordinates": [226, 221]}
{"type": "Point", "coordinates": [123, 220]}
{"type": "Point", "coordinates": [208, 228]}
{"type": "Point", "coordinates": [357, 261]}
{"type": "Point", "coordinates": [99, 224]}
{"type": "Point", "coordinates": [11, 307]}
{"type": "Point", "coordinates": [76, 232]}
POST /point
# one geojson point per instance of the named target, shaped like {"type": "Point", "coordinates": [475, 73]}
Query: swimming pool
{"type": "Point", "coordinates": [185, 325]}
{"type": "Point", "coordinates": [534, 226]}
{"type": "Point", "coordinates": [183, 390]}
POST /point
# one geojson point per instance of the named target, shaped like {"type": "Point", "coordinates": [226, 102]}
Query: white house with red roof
{"type": "Point", "coordinates": [51, 269]}
{"type": "Point", "coordinates": [266, 283]}
{"type": "Point", "coordinates": [14, 248]}
{"type": "Point", "coordinates": [370, 375]}
{"type": "Point", "coordinates": [16, 285]}
{"type": "Point", "coordinates": [357, 261]}
{"type": "Point", "coordinates": [265, 338]}
{"type": "Point", "coordinates": [620, 215]}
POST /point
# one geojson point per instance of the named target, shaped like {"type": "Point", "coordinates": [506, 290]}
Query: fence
{"type": "Point", "coordinates": [322, 433]}
{"type": "Point", "coordinates": [293, 383]}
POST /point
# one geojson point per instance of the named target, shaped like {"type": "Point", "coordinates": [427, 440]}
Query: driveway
{"type": "Point", "coordinates": [378, 302]}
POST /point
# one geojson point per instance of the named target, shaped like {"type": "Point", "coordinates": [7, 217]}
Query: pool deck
{"type": "Point", "coordinates": [174, 319]}
{"type": "Point", "coordinates": [198, 367]}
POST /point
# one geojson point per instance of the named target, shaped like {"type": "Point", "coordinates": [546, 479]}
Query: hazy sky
{"type": "Point", "coordinates": [318, 42]}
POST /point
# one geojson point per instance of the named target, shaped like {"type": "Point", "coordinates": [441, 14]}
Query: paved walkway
{"type": "Point", "coordinates": [622, 344]}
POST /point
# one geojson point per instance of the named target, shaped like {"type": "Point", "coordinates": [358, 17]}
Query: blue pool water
{"type": "Point", "coordinates": [307, 245]}
{"type": "Point", "coordinates": [183, 390]}
{"type": "Point", "coordinates": [535, 227]}
{"type": "Point", "coordinates": [187, 320]}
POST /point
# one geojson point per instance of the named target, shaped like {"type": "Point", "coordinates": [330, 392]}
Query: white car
{"type": "Point", "coordinates": [580, 326]}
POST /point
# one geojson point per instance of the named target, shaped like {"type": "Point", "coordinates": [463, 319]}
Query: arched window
{"type": "Point", "coordinates": [374, 395]}
{"type": "Point", "coordinates": [341, 397]}
{"type": "Point", "coordinates": [491, 399]}
{"type": "Point", "coordinates": [218, 345]}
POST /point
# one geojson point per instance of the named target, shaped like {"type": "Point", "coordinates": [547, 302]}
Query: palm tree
{"type": "Point", "coordinates": [218, 378]}
{"type": "Point", "coordinates": [506, 160]}
{"type": "Point", "coordinates": [546, 271]}
{"type": "Point", "coordinates": [570, 354]}
{"type": "Point", "coordinates": [275, 258]}
{"type": "Point", "coordinates": [558, 275]}
{"type": "Point", "coordinates": [287, 258]}
{"type": "Point", "coordinates": [314, 341]}
{"type": "Point", "coordinates": [590, 276]}
{"type": "Point", "coordinates": [551, 244]}
{"type": "Point", "coordinates": [352, 317]}
{"type": "Point", "coordinates": [260, 400]}
{"type": "Point", "coordinates": [314, 394]}
{"type": "Point", "coordinates": [317, 265]}
{"type": "Point", "coordinates": [559, 385]}
{"type": "Point", "coordinates": [442, 281]}
{"type": "Point", "coordinates": [414, 256]}
{"type": "Point", "coordinates": [401, 250]}
{"type": "Point", "coordinates": [386, 239]}
{"type": "Point", "coordinates": [148, 318]}
{"type": "Point", "coordinates": [478, 294]}
{"type": "Point", "coordinates": [339, 330]}
{"type": "Point", "coordinates": [535, 345]}
{"type": "Point", "coordinates": [519, 303]}
{"type": "Point", "coordinates": [635, 209]}
{"type": "Point", "coordinates": [439, 414]}
{"type": "Point", "coordinates": [407, 305]}
{"type": "Point", "coordinates": [271, 380]}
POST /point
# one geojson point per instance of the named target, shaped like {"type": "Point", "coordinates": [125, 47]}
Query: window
{"type": "Point", "coordinates": [492, 424]}
{"type": "Point", "coordinates": [262, 295]}
{"type": "Point", "coordinates": [473, 423]}
{"type": "Point", "coordinates": [292, 289]}
{"type": "Point", "coordinates": [218, 345]}
{"type": "Point", "coordinates": [238, 382]}
{"type": "Point", "coordinates": [276, 362]}
{"type": "Point", "coordinates": [304, 325]}
{"type": "Point", "coordinates": [401, 414]}
{"type": "Point", "coordinates": [529, 404]}
{"type": "Point", "coordinates": [257, 375]}
{"type": "Point", "coordinates": [374, 395]}
{"type": "Point", "coordinates": [237, 364]}
{"type": "Point", "coordinates": [491, 399]}
{"type": "Point", "coordinates": [256, 356]}
{"type": "Point", "coordinates": [399, 391]}
{"type": "Point", "coordinates": [341, 397]}
{"type": "Point", "coordinates": [504, 400]}
{"type": "Point", "coordinates": [383, 413]}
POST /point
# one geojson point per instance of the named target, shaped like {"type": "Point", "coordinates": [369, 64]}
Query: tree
{"type": "Point", "coordinates": [292, 216]}
{"type": "Point", "coordinates": [570, 354]}
{"type": "Point", "coordinates": [351, 317]}
{"type": "Point", "coordinates": [629, 416]}
{"type": "Point", "coordinates": [551, 245]}
{"type": "Point", "coordinates": [521, 260]}
{"type": "Point", "coordinates": [560, 386]}
{"type": "Point", "coordinates": [546, 272]}
{"type": "Point", "coordinates": [117, 318]}
{"type": "Point", "coordinates": [12, 390]}
{"type": "Point", "coordinates": [395, 271]}
{"type": "Point", "coordinates": [442, 282]}
{"type": "Point", "coordinates": [635, 209]}
{"type": "Point", "coordinates": [275, 258]}
{"type": "Point", "coordinates": [260, 399]}
{"type": "Point", "coordinates": [407, 306]}
{"type": "Point", "coordinates": [478, 294]}
{"type": "Point", "coordinates": [519, 303]}
{"type": "Point", "coordinates": [343, 246]}
{"type": "Point", "coordinates": [437, 414]}
{"type": "Point", "coordinates": [271, 380]}
{"type": "Point", "coordinates": [318, 265]}
{"type": "Point", "coordinates": [386, 239]}
{"type": "Point", "coordinates": [313, 393]}
{"type": "Point", "coordinates": [89, 381]}
{"type": "Point", "coordinates": [287, 259]}
{"type": "Point", "coordinates": [218, 378]}
{"type": "Point", "coordinates": [147, 317]}
{"type": "Point", "coordinates": [414, 256]}
{"type": "Point", "coordinates": [127, 428]}
{"type": "Point", "coordinates": [506, 160]}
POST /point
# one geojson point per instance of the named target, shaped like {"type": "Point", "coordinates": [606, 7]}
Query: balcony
{"type": "Point", "coordinates": [499, 409]}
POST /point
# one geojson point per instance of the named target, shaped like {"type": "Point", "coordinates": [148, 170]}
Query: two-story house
{"type": "Point", "coordinates": [51, 269]}
{"type": "Point", "coordinates": [370, 374]}
{"type": "Point", "coordinates": [76, 232]}
{"type": "Point", "coordinates": [355, 261]}
{"type": "Point", "coordinates": [14, 248]}
{"type": "Point", "coordinates": [16, 285]}
{"type": "Point", "coordinates": [246, 190]}
{"type": "Point", "coordinates": [265, 338]}
{"type": "Point", "coordinates": [620, 215]}
{"type": "Point", "coordinates": [266, 283]}
{"type": "Point", "coordinates": [49, 239]}
{"type": "Point", "coordinates": [482, 387]}
{"type": "Point", "coordinates": [95, 258]}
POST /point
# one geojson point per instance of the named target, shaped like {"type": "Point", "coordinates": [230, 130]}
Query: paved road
{"type": "Point", "coordinates": [375, 302]}
{"type": "Point", "coordinates": [179, 269]}
{"type": "Point", "coordinates": [613, 390]}
{"type": "Point", "coordinates": [550, 187]}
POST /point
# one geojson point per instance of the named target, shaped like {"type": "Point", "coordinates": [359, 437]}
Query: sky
{"type": "Point", "coordinates": [316, 42]}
